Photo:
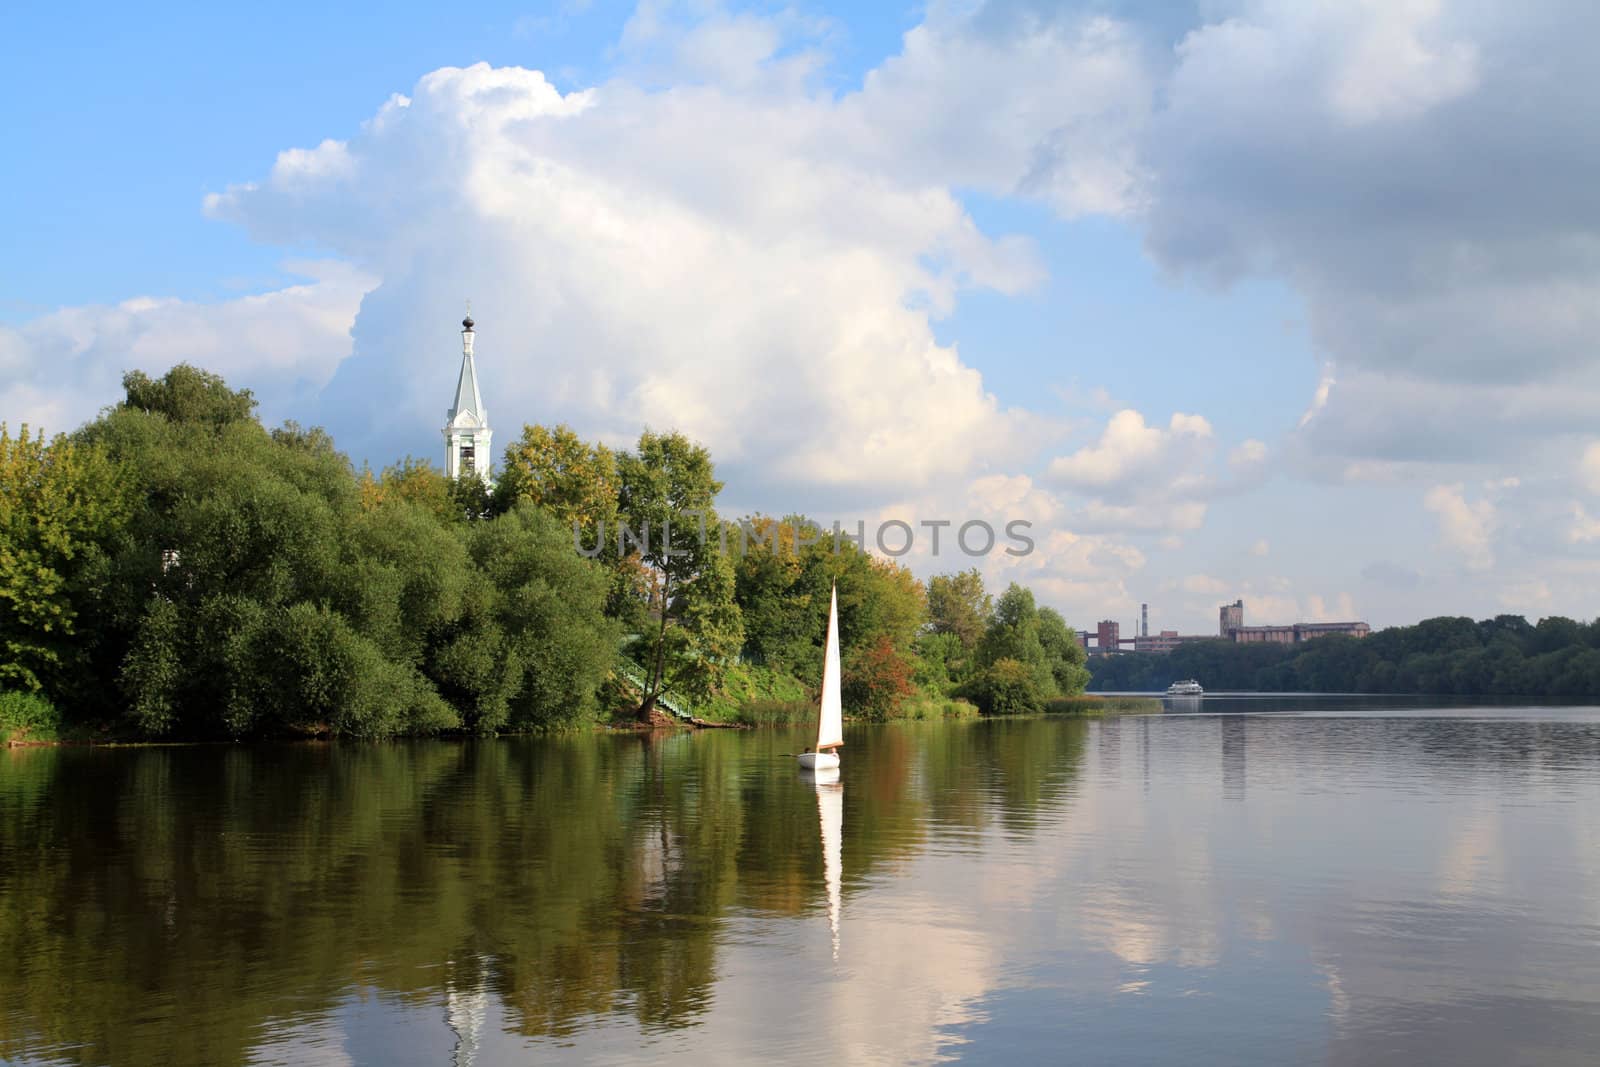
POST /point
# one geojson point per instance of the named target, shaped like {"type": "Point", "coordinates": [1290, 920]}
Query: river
{"type": "Point", "coordinates": [1266, 881]}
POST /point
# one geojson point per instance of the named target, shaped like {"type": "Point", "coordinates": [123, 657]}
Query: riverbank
{"type": "Point", "coordinates": [32, 722]}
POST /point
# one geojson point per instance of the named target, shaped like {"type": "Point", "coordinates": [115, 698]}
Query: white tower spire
{"type": "Point", "coordinates": [467, 435]}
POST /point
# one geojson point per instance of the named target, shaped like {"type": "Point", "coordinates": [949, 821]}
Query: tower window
{"type": "Point", "coordinates": [467, 465]}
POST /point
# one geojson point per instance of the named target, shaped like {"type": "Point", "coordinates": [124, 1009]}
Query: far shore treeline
{"type": "Point", "coordinates": [176, 570]}
{"type": "Point", "coordinates": [1503, 656]}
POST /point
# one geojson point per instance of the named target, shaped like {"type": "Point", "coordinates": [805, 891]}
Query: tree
{"type": "Point", "coordinates": [1006, 687]}
{"type": "Point", "coordinates": [958, 604]}
{"type": "Point", "coordinates": [187, 394]}
{"type": "Point", "coordinates": [693, 627]}
{"type": "Point", "coordinates": [1013, 631]}
{"type": "Point", "coordinates": [781, 630]}
{"type": "Point", "coordinates": [62, 506]}
{"type": "Point", "coordinates": [877, 680]}
{"type": "Point", "coordinates": [937, 661]}
{"type": "Point", "coordinates": [784, 575]}
{"type": "Point", "coordinates": [413, 480]}
{"type": "Point", "coordinates": [558, 471]}
{"type": "Point", "coordinates": [537, 644]}
{"type": "Point", "coordinates": [1064, 656]}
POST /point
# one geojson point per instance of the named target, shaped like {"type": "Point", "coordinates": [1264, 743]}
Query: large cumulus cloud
{"type": "Point", "coordinates": [754, 267]}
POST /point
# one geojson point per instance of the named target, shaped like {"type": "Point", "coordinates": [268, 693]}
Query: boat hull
{"type": "Point", "coordinates": [819, 761]}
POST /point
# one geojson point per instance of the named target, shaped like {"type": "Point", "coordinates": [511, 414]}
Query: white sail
{"type": "Point", "coordinates": [830, 804]}
{"type": "Point", "coordinates": [830, 728]}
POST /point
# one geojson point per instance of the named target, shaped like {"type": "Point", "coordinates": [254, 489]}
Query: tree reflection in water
{"type": "Point", "coordinates": [172, 905]}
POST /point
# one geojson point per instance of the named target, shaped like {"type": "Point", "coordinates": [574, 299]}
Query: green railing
{"type": "Point", "coordinates": [635, 673]}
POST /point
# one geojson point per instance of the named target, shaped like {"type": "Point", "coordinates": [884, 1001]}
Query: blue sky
{"type": "Point", "coordinates": [1294, 303]}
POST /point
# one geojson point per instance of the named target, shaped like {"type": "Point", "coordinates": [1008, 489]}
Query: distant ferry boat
{"type": "Point", "coordinates": [1186, 688]}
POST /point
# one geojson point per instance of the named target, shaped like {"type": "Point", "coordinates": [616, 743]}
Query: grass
{"type": "Point", "coordinates": [27, 717]}
{"type": "Point", "coordinates": [776, 713]}
{"type": "Point", "coordinates": [1094, 705]}
{"type": "Point", "coordinates": [928, 707]}
{"type": "Point", "coordinates": [756, 696]}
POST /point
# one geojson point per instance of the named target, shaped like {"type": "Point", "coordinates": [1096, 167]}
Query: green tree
{"type": "Point", "coordinates": [186, 394]}
{"type": "Point", "coordinates": [63, 505]}
{"type": "Point", "coordinates": [568, 477]}
{"type": "Point", "coordinates": [1063, 655]}
{"type": "Point", "coordinates": [414, 480]}
{"type": "Point", "coordinates": [1013, 631]}
{"type": "Point", "coordinates": [1013, 646]}
{"type": "Point", "coordinates": [775, 596]}
{"type": "Point", "coordinates": [959, 605]}
{"type": "Point", "coordinates": [558, 643]}
{"type": "Point", "coordinates": [937, 662]}
{"type": "Point", "coordinates": [692, 627]}
{"type": "Point", "coordinates": [1006, 686]}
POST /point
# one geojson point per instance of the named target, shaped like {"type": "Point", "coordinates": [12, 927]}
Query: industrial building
{"type": "Point", "coordinates": [1231, 626]}
{"type": "Point", "coordinates": [1108, 638]}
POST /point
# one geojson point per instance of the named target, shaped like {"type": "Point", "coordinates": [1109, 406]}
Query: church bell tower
{"type": "Point", "coordinates": [466, 429]}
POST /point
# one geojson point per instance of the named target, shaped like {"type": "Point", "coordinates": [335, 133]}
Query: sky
{"type": "Point", "coordinates": [1295, 303]}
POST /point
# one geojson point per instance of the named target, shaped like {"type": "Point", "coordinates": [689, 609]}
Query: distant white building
{"type": "Point", "coordinates": [467, 437]}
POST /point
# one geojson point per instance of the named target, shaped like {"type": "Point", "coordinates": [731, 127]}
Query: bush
{"type": "Point", "coordinates": [877, 680]}
{"type": "Point", "coordinates": [27, 716]}
{"type": "Point", "coordinates": [1006, 687]}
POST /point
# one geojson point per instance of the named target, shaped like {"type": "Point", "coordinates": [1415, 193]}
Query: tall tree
{"type": "Point", "coordinates": [1013, 631]}
{"type": "Point", "coordinates": [693, 628]}
{"type": "Point", "coordinates": [558, 471]}
{"type": "Point", "coordinates": [959, 605]}
{"type": "Point", "coordinates": [188, 394]}
{"type": "Point", "coordinates": [62, 505]}
{"type": "Point", "coordinates": [1062, 653]}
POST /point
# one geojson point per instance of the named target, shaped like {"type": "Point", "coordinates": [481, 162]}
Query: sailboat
{"type": "Point", "coordinates": [830, 720]}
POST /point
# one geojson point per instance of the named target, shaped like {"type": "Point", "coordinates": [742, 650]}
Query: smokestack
{"type": "Point", "coordinates": [1144, 620]}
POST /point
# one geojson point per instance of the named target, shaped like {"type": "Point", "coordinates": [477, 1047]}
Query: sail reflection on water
{"type": "Point", "coordinates": [830, 807]}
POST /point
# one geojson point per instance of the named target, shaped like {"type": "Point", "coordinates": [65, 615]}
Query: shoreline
{"type": "Point", "coordinates": [1091, 707]}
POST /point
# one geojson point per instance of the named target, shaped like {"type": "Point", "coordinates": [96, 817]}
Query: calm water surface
{"type": "Point", "coordinates": [1334, 881]}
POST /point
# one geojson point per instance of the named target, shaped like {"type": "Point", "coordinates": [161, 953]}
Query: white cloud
{"type": "Point", "coordinates": [753, 260]}
{"type": "Point", "coordinates": [1465, 526]}
{"type": "Point", "coordinates": [1529, 596]}
{"type": "Point", "coordinates": [1045, 108]}
{"type": "Point", "coordinates": [1398, 63]}
{"type": "Point", "coordinates": [1204, 583]}
{"type": "Point", "coordinates": [1589, 468]}
{"type": "Point", "coordinates": [1140, 478]}
{"type": "Point", "coordinates": [1153, 516]}
{"type": "Point", "coordinates": [1248, 453]}
{"type": "Point", "coordinates": [1341, 609]}
{"type": "Point", "coordinates": [1584, 528]}
{"type": "Point", "coordinates": [1082, 571]}
{"type": "Point", "coordinates": [1129, 452]}
{"type": "Point", "coordinates": [58, 370]}
{"type": "Point", "coordinates": [1319, 399]}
